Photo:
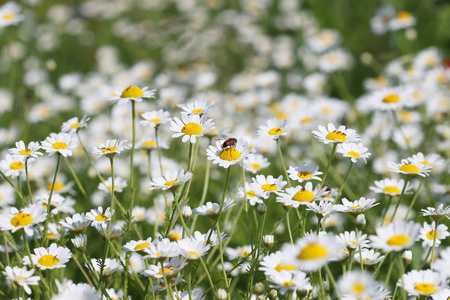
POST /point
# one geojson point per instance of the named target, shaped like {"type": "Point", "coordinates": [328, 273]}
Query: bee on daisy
{"type": "Point", "coordinates": [228, 155]}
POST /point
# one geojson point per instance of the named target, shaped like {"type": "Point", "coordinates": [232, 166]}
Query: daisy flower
{"type": "Point", "coordinates": [155, 118]}
{"type": "Point", "coordinates": [110, 148]}
{"type": "Point", "coordinates": [274, 129]}
{"type": "Point", "coordinates": [132, 93]}
{"type": "Point", "coordinates": [403, 19]}
{"type": "Point", "coordinates": [78, 291]}
{"type": "Point", "coordinates": [116, 230]}
{"type": "Point", "coordinates": [211, 210]}
{"type": "Point", "coordinates": [80, 241]}
{"type": "Point", "coordinates": [30, 151]}
{"type": "Point", "coordinates": [432, 160]}
{"type": "Point", "coordinates": [264, 186]}
{"type": "Point", "coordinates": [162, 249]}
{"type": "Point", "coordinates": [334, 60]}
{"type": "Point", "coordinates": [304, 172]}
{"type": "Point", "coordinates": [59, 143]}
{"type": "Point", "coordinates": [311, 253]}
{"type": "Point", "coordinates": [422, 282]}
{"type": "Point", "coordinates": [369, 257]}
{"type": "Point", "coordinates": [275, 263]}
{"type": "Point", "coordinates": [110, 266]}
{"type": "Point", "coordinates": [192, 250]}
{"type": "Point", "coordinates": [171, 268]}
{"type": "Point", "coordinates": [22, 277]}
{"type": "Point", "coordinates": [408, 168]}
{"type": "Point", "coordinates": [356, 207]}
{"type": "Point", "coordinates": [296, 196]}
{"type": "Point", "coordinates": [13, 165]}
{"type": "Point", "coordinates": [228, 156]}
{"type": "Point", "coordinates": [100, 218]}
{"type": "Point", "coordinates": [436, 213]}
{"type": "Point", "coordinates": [322, 210]}
{"type": "Point", "coordinates": [52, 257]}
{"type": "Point", "coordinates": [78, 223]}
{"type": "Point", "coordinates": [286, 281]}
{"type": "Point", "coordinates": [428, 58]}
{"type": "Point", "coordinates": [119, 185]}
{"type": "Point", "coordinates": [213, 237]}
{"type": "Point", "coordinates": [25, 218]}
{"type": "Point", "coordinates": [395, 236]}
{"type": "Point", "coordinates": [171, 180]}
{"type": "Point", "coordinates": [73, 125]}
{"type": "Point", "coordinates": [190, 127]}
{"type": "Point", "coordinates": [137, 246]}
{"type": "Point", "coordinates": [333, 135]}
{"type": "Point", "coordinates": [358, 285]}
{"type": "Point", "coordinates": [391, 187]}
{"type": "Point", "coordinates": [427, 233]}
{"type": "Point", "coordinates": [197, 107]}
{"type": "Point", "coordinates": [9, 14]}
{"type": "Point", "coordinates": [255, 163]}
{"type": "Point", "coordinates": [354, 151]}
{"type": "Point", "coordinates": [197, 294]}
{"type": "Point", "coordinates": [249, 194]}
{"type": "Point", "coordinates": [390, 98]}
{"type": "Point", "coordinates": [139, 213]}
{"type": "Point", "coordinates": [353, 240]}
{"type": "Point", "coordinates": [441, 294]}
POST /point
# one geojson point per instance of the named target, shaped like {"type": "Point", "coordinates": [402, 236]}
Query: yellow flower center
{"type": "Point", "coordinates": [353, 154]}
{"type": "Point", "coordinates": [51, 236]}
{"type": "Point", "coordinates": [256, 166]}
{"type": "Point", "coordinates": [132, 92]}
{"type": "Point", "coordinates": [75, 125]}
{"type": "Point", "coordinates": [9, 16]}
{"type": "Point", "coordinates": [109, 149]}
{"type": "Point", "coordinates": [287, 283]}
{"type": "Point", "coordinates": [167, 270]}
{"type": "Point", "coordinates": [430, 235]}
{"type": "Point", "coordinates": [392, 190]}
{"type": "Point", "coordinates": [303, 196]}
{"type": "Point", "coordinates": [409, 168]}
{"type": "Point", "coordinates": [192, 129]}
{"type": "Point", "coordinates": [59, 145]}
{"type": "Point", "coordinates": [425, 288]}
{"type": "Point", "coordinates": [17, 165]}
{"type": "Point", "coordinates": [25, 152]}
{"type": "Point", "coordinates": [287, 267]}
{"type": "Point", "coordinates": [149, 144]}
{"type": "Point", "coordinates": [58, 186]}
{"type": "Point", "coordinates": [251, 194]}
{"type": "Point", "coordinates": [170, 182]}
{"type": "Point", "coordinates": [21, 219]}
{"type": "Point", "coordinates": [306, 120]}
{"type": "Point", "coordinates": [336, 135]}
{"type": "Point", "coordinates": [391, 98]}
{"type": "Point", "coordinates": [269, 187]}
{"type": "Point", "coordinates": [276, 131]}
{"type": "Point", "coordinates": [313, 251]}
{"type": "Point", "coordinates": [176, 237]}
{"type": "Point", "coordinates": [404, 15]}
{"type": "Point", "coordinates": [141, 246]}
{"type": "Point", "coordinates": [398, 240]}
{"type": "Point", "coordinates": [48, 260]}
{"type": "Point", "coordinates": [425, 162]}
{"type": "Point", "coordinates": [197, 111]}
{"type": "Point", "coordinates": [333, 58]}
{"type": "Point", "coordinates": [304, 175]}
{"type": "Point", "coordinates": [101, 218]}
{"type": "Point", "coordinates": [155, 121]}
{"type": "Point", "coordinates": [358, 288]}
{"type": "Point", "coordinates": [229, 154]}
{"type": "Point", "coordinates": [195, 254]}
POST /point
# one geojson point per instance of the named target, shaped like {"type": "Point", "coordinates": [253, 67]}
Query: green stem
{"type": "Point", "coordinates": [221, 259]}
{"type": "Point", "coordinates": [329, 163]}
{"type": "Point", "coordinates": [388, 276]}
{"type": "Point", "coordinates": [204, 192]}
{"type": "Point", "coordinates": [416, 194]}
{"type": "Point", "coordinates": [331, 278]}
{"type": "Point", "coordinates": [343, 182]}
{"type": "Point", "coordinates": [12, 185]}
{"type": "Point", "coordinates": [288, 223]}
{"type": "Point", "coordinates": [28, 181]}
{"type": "Point", "coordinates": [400, 197]}
{"type": "Point", "coordinates": [50, 200]}
{"type": "Point", "coordinates": [434, 243]}
{"type": "Point", "coordinates": [80, 186]}
{"type": "Point", "coordinates": [282, 162]}
{"type": "Point", "coordinates": [386, 209]}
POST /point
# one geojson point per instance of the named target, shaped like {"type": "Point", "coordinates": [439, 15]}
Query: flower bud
{"type": "Point", "coordinates": [268, 240]}
{"type": "Point", "coordinates": [222, 294]}
{"type": "Point", "coordinates": [366, 58]}
{"type": "Point", "coordinates": [186, 212]}
{"type": "Point", "coordinates": [407, 257]}
{"type": "Point", "coordinates": [80, 242]}
{"type": "Point", "coordinates": [259, 288]}
{"type": "Point", "coordinates": [360, 221]}
{"type": "Point", "coordinates": [273, 295]}
{"type": "Point", "coordinates": [261, 208]}
{"type": "Point", "coordinates": [411, 34]}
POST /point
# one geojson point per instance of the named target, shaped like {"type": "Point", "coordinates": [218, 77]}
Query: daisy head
{"type": "Point", "coordinates": [170, 180]}
{"type": "Point", "coordinates": [110, 148]}
{"type": "Point", "coordinates": [409, 168]}
{"type": "Point", "coordinates": [73, 125]}
{"type": "Point", "coordinates": [100, 218]}
{"type": "Point", "coordinates": [274, 128]}
{"type": "Point", "coordinates": [436, 213]}
{"type": "Point", "coordinates": [356, 207]}
{"type": "Point", "coordinates": [26, 151]}
{"type": "Point", "coordinates": [264, 186]}
{"type": "Point", "coordinates": [336, 135]}
{"type": "Point", "coordinates": [296, 196]}
{"type": "Point", "coordinates": [431, 160]}
{"type": "Point", "coordinates": [59, 143]}
{"type": "Point", "coordinates": [334, 60]}
{"type": "Point", "coordinates": [212, 210]}
{"type": "Point", "coordinates": [304, 172]}
{"type": "Point", "coordinates": [391, 187]}
{"type": "Point", "coordinates": [249, 194]}
{"type": "Point", "coordinates": [255, 163]}
{"type": "Point", "coordinates": [10, 14]}
{"type": "Point", "coordinates": [422, 282]}
{"type": "Point", "coordinates": [22, 277]}
{"type": "Point", "coordinates": [13, 165]}
{"type": "Point", "coordinates": [193, 250]}
{"type": "Point", "coordinates": [403, 19]}
{"type": "Point", "coordinates": [137, 246]}
{"type": "Point", "coordinates": [354, 151]}
{"type": "Point", "coordinates": [286, 281]}
{"type": "Point", "coordinates": [52, 257]}
{"type": "Point", "coordinates": [390, 98]}
{"type": "Point", "coordinates": [155, 118]}
{"type": "Point", "coordinates": [359, 285]}
{"type": "Point", "coordinates": [190, 127]}
{"type": "Point", "coordinates": [395, 236]}
{"type": "Point", "coordinates": [197, 107]}
{"type": "Point", "coordinates": [132, 93]}
{"type": "Point", "coordinates": [24, 218]}
{"type": "Point", "coordinates": [228, 155]}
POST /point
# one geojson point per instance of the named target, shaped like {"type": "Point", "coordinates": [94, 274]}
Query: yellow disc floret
{"type": "Point", "coordinates": [276, 131]}
{"type": "Point", "coordinates": [409, 168]}
{"type": "Point", "coordinates": [398, 240]}
{"type": "Point", "coordinates": [313, 251]}
{"type": "Point", "coordinates": [425, 288]}
{"type": "Point", "coordinates": [391, 98]}
{"type": "Point", "coordinates": [132, 92]}
{"type": "Point", "coordinates": [21, 219]}
{"type": "Point", "coordinates": [17, 165]}
{"type": "Point", "coordinates": [303, 196]}
{"type": "Point", "coordinates": [229, 154]}
{"type": "Point", "coordinates": [59, 145]}
{"type": "Point", "coordinates": [192, 129]}
{"type": "Point", "coordinates": [336, 136]}
{"type": "Point", "coordinates": [48, 260]}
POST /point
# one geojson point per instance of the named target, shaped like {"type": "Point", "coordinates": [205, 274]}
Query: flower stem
{"type": "Point", "coordinates": [288, 223]}
{"type": "Point", "coordinates": [204, 192]}
{"type": "Point", "coordinates": [434, 243]}
{"type": "Point", "coordinates": [12, 185]}
{"type": "Point", "coordinates": [414, 199]}
{"type": "Point", "coordinates": [400, 197]}
{"type": "Point", "coordinates": [343, 182]}
{"type": "Point", "coordinates": [28, 181]}
{"type": "Point", "coordinates": [221, 260]}
{"type": "Point", "coordinates": [386, 209]}
{"type": "Point", "coordinates": [50, 200]}
{"type": "Point", "coordinates": [282, 162]}
{"type": "Point", "coordinates": [329, 163]}
{"type": "Point", "coordinates": [80, 186]}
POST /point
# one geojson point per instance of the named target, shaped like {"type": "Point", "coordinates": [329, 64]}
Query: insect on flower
{"type": "Point", "coordinates": [229, 143]}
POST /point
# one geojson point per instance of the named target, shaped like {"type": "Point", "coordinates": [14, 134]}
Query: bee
{"type": "Point", "coordinates": [229, 143]}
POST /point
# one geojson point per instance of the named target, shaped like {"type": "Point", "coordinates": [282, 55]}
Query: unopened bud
{"type": "Point", "coordinates": [366, 58]}
{"type": "Point", "coordinates": [273, 295]}
{"type": "Point", "coordinates": [411, 34]}
{"type": "Point", "coordinates": [360, 221]}
{"type": "Point", "coordinates": [268, 240]}
{"type": "Point", "coordinates": [261, 208]}
{"type": "Point", "coordinates": [407, 257]}
{"type": "Point", "coordinates": [259, 288]}
{"type": "Point", "coordinates": [222, 294]}
{"type": "Point", "coordinates": [186, 212]}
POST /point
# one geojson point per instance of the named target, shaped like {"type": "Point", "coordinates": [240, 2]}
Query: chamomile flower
{"type": "Point", "coordinates": [228, 156]}
{"type": "Point", "coordinates": [323, 209]}
{"type": "Point", "coordinates": [296, 196]}
{"type": "Point", "coordinates": [358, 285]}
{"type": "Point", "coordinates": [22, 219]}
{"type": "Point", "coordinates": [427, 233]}
{"type": "Point", "coordinates": [286, 281]}
{"type": "Point", "coordinates": [249, 194]}
{"type": "Point", "coordinates": [356, 207]}
{"type": "Point", "coordinates": [369, 257]}
{"type": "Point", "coordinates": [431, 160]}
{"type": "Point", "coordinates": [190, 127]}
{"type": "Point", "coordinates": [10, 14]}
{"type": "Point", "coordinates": [211, 210]}
{"type": "Point", "coordinates": [197, 107]}
{"type": "Point", "coordinates": [274, 129]}
{"type": "Point", "coordinates": [422, 282]}
{"type": "Point", "coordinates": [436, 213]}
{"type": "Point", "coordinates": [334, 60]}
{"type": "Point", "coordinates": [22, 277]}
{"type": "Point", "coordinates": [170, 180]}
{"type": "Point", "coordinates": [275, 263]}
{"type": "Point", "coordinates": [395, 236]}
{"type": "Point", "coordinates": [78, 223]}
{"type": "Point", "coordinates": [403, 19]}
{"type": "Point", "coordinates": [59, 143]}
{"type": "Point", "coordinates": [354, 151]}
{"type": "Point", "coordinates": [171, 268]}
{"type": "Point", "coordinates": [100, 218]}
{"type": "Point", "coordinates": [353, 240]}
{"type": "Point", "coordinates": [13, 165]}
{"type": "Point", "coordinates": [110, 266]}
{"type": "Point", "coordinates": [73, 125]}
{"type": "Point", "coordinates": [26, 151]}
{"type": "Point", "coordinates": [80, 241]}
{"type": "Point", "coordinates": [197, 294]}
{"type": "Point", "coordinates": [304, 172]}
{"type": "Point", "coordinates": [212, 238]}
{"type": "Point", "coordinates": [155, 118]}
{"type": "Point", "coordinates": [408, 168]}
{"type": "Point", "coordinates": [392, 187]}
{"type": "Point", "coordinates": [132, 93]}
{"type": "Point", "coordinates": [264, 186]}
{"type": "Point", "coordinates": [52, 257]}
{"type": "Point", "coordinates": [192, 250]}
{"type": "Point", "coordinates": [78, 291]}
{"type": "Point", "coordinates": [110, 148]}
{"type": "Point", "coordinates": [255, 163]}
{"type": "Point", "coordinates": [336, 135]}
{"type": "Point", "coordinates": [119, 185]}
{"type": "Point", "coordinates": [390, 98]}
{"type": "Point", "coordinates": [162, 249]}
{"type": "Point", "coordinates": [137, 246]}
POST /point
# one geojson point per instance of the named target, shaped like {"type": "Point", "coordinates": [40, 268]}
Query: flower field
{"type": "Point", "coordinates": [213, 149]}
